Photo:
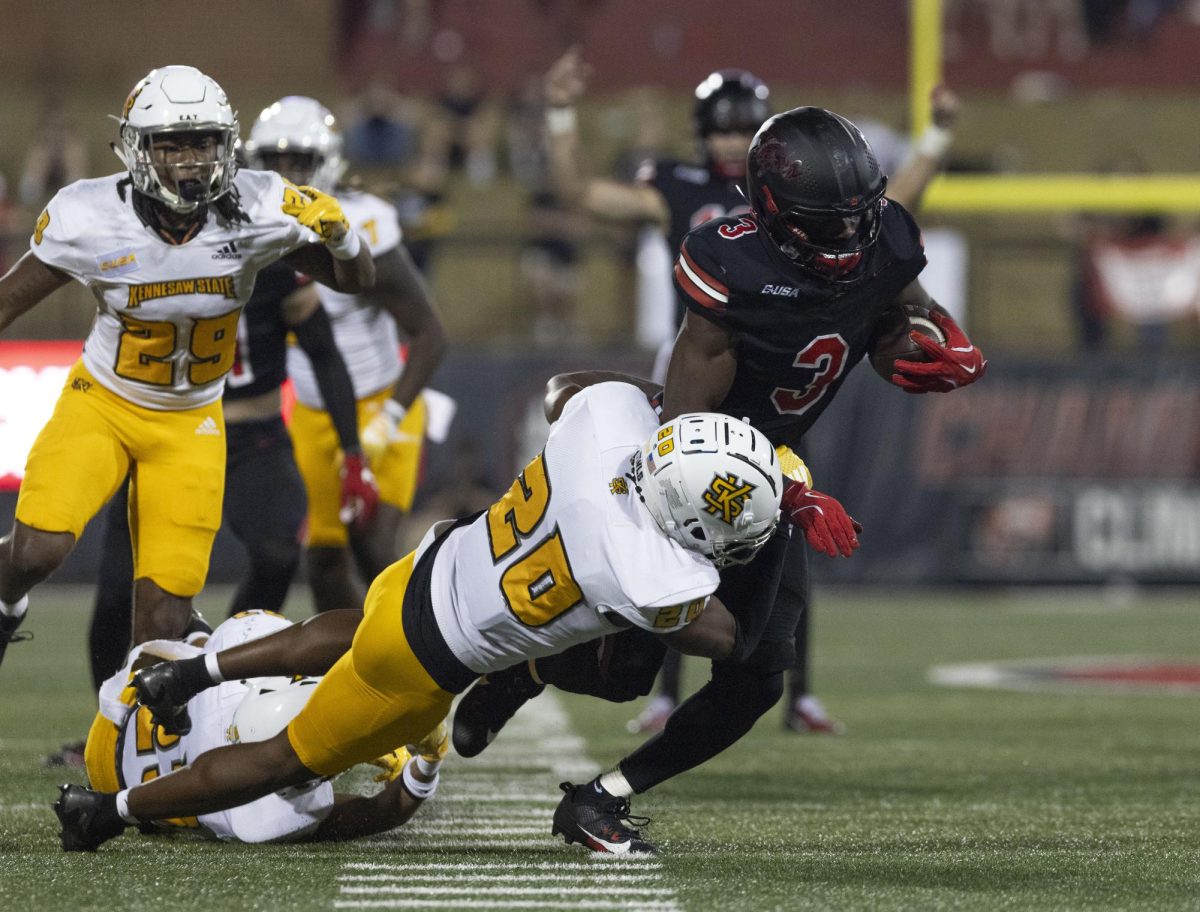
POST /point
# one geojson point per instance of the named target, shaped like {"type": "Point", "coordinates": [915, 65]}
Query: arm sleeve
{"type": "Point", "coordinates": [315, 336]}
{"type": "Point", "coordinates": [699, 279]}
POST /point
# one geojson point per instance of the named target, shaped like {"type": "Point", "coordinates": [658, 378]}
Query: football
{"type": "Point", "coordinates": [891, 343]}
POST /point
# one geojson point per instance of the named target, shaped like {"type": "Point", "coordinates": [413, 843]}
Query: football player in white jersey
{"type": "Point", "coordinates": [617, 523]}
{"type": "Point", "coordinates": [124, 746]}
{"type": "Point", "coordinates": [299, 138]}
{"type": "Point", "coordinates": [170, 249]}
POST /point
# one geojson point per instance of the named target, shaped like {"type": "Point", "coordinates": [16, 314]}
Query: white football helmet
{"type": "Point", "coordinates": [712, 483]}
{"type": "Point", "coordinates": [269, 706]}
{"type": "Point", "coordinates": [301, 127]}
{"type": "Point", "coordinates": [170, 101]}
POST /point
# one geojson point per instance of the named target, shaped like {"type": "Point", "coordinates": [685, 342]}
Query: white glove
{"type": "Point", "coordinates": [382, 431]}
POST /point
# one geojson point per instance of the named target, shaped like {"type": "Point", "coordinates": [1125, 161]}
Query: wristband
{"type": "Point", "coordinates": [347, 248]}
{"type": "Point", "coordinates": [934, 142]}
{"type": "Point", "coordinates": [395, 410]}
{"type": "Point", "coordinates": [560, 120]}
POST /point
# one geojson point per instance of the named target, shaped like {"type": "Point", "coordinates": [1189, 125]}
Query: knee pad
{"type": "Point", "coordinates": [746, 692]}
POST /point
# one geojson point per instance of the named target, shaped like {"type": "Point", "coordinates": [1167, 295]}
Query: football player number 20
{"type": "Point", "coordinates": [538, 587]}
{"type": "Point", "coordinates": [146, 349]}
{"type": "Point", "coordinates": [826, 357]}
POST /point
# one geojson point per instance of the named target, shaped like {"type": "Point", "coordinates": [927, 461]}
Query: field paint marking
{"type": "Point", "coordinates": [536, 741]}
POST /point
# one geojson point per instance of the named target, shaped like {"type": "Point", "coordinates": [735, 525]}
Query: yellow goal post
{"type": "Point", "coordinates": [1026, 192]}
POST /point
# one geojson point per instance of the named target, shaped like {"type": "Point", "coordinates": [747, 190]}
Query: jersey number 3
{"type": "Point", "coordinates": [538, 587]}
{"type": "Point", "coordinates": [826, 355]}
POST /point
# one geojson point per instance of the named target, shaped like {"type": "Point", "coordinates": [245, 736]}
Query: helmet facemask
{"type": "Point", "coordinates": [834, 247]}
{"type": "Point", "coordinates": [178, 137]}
{"type": "Point", "coordinates": [298, 137]}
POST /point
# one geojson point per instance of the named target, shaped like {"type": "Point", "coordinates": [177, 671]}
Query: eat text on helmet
{"type": "Point", "coordinates": [177, 138]}
{"type": "Point", "coordinates": [712, 483]}
{"type": "Point", "coordinates": [816, 188]}
{"type": "Point", "coordinates": [298, 137]}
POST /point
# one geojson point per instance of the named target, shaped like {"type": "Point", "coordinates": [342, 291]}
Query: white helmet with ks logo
{"type": "Point", "coordinates": [712, 483]}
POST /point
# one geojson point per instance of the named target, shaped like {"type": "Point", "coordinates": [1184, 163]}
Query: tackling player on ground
{"type": "Point", "coordinates": [618, 523]}
{"type": "Point", "coordinates": [125, 747]}
{"type": "Point", "coordinates": [299, 138]}
{"type": "Point", "coordinates": [170, 249]}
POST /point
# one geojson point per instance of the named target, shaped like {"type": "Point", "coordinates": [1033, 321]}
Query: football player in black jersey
{"type": "Point", "coordinates": [782, 304]}
{"type": "Point", "coordinates": [730, 105]}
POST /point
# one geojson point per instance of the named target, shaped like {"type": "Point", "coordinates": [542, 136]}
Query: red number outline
{"type": "Point", "coordinates": [827, 356]}
{"type": "Point", "coordinates": [743, 226]}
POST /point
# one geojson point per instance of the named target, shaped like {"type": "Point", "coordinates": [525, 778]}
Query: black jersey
{"type": "Point", "coordinates": [261, 362]}
{"type": "Point", "coordinates": [694, 195]}
{"type": "Point", "coordinates": [796, 336]}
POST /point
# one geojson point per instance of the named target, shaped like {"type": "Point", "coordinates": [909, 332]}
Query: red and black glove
{"type": "Point", "coordinates": [955, 364]}
{"type": "Point", "coordinates": [360, 496]}
{"type": "Point", "coordinates": [824, 521]}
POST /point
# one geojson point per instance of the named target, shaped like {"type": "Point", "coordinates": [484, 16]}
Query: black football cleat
{"type": "Point", "coordinates": [489, 704]}
{"type": "Point", "coordinates": [88, 818]}
{"type": "Point", "coordinates": [160, 688]}
{"type": "Point", "coordinates": [597, 820]}
{"type": "Point", "coordinates": [8, 631]}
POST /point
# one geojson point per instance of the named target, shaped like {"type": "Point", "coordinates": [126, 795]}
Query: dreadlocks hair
{"type": "Point", "coordinates": [228, 207]}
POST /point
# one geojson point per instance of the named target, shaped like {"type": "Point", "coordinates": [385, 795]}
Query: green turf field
{"type": "Point", "coordinates": [936, 798]}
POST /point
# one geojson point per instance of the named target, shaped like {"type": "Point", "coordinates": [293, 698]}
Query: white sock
{"type": "Point", "coordinates": [417, 788]}
{"type": "Point", "coordinates": [615, 783]}
{"type": "Point", "coordinates": [425, 766]}
{"type": "Point", "coordinates": [123, 807]}
{"type": "Point", "coordinates": [213, 669]}
{"type": "Point", "coordinates": [16, 609]}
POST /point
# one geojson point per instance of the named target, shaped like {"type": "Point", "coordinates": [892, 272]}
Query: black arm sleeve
{"type": "Point", "coordinates": [315, 336]}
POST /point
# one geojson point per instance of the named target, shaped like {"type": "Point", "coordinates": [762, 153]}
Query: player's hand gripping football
{"type": "Point", "coordinates": [951, 365]}
{"type": "Point", "coordinates": [360, 496]}
{"type": "Point", "coordinates": [319, 212]}
{"type": "Point", "coordinates": [825, 522]}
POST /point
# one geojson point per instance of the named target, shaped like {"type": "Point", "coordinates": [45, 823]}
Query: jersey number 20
{"type": "Point", "coordinates": [538, 587]}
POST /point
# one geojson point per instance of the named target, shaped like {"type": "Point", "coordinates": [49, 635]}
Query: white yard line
{"type": "Point", "coordinates": [501, 801]}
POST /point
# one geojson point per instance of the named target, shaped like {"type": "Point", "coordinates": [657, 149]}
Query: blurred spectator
{"type": "Point", "coordinates": [57, 157]}
{"type": "Point", "coordinates": [380, 133]}
{"type": "Point", "coordinates": [1134, 270]}
{"type": "Point", "coordinates": [470, 122]}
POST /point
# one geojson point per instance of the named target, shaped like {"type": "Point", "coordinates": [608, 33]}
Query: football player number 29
{"type": "Point", "coordinates": [146, 350]}
{"type": "Point", "coordinates": [538, 587]}
{"type": "Point", "coordinates": [826, 356]}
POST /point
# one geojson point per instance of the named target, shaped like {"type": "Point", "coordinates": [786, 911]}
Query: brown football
{"type": "Point", "coordinates": [891, 343]}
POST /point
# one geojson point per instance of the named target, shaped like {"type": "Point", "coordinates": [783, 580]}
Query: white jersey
{"type": "Point", "coordinates": [144, 753]}
{"type": "Point", "coordinates": [570, 553]}
{"type": "Point", "coordinates": [365, 334]}
{"type": "Point", "coordinates": [165, 333]}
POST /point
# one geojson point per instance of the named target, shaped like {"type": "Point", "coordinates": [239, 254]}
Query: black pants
{"type": "Point", "coordinates": [768, 598]}
{"type": "Point", "coordinates": [264, 506]}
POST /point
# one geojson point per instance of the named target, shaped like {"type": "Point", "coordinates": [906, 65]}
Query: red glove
{"type": "Point", "coordinates": [360, 496]}
{"type": "Point", "coordinates": [955, 364]}
{"type": "Point", "coordinates": [825, 522]}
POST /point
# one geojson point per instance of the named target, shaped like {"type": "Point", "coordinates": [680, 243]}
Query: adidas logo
{"type": "Point", "coordinates": [227, 252]}
{"type": "Point", "coordinates": [208, 426]}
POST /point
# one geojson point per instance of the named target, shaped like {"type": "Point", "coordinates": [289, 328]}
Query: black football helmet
{"type": "Point", "coordinates": [817, 190]}
{"type": "Point", "coordinates": [730, 101]}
